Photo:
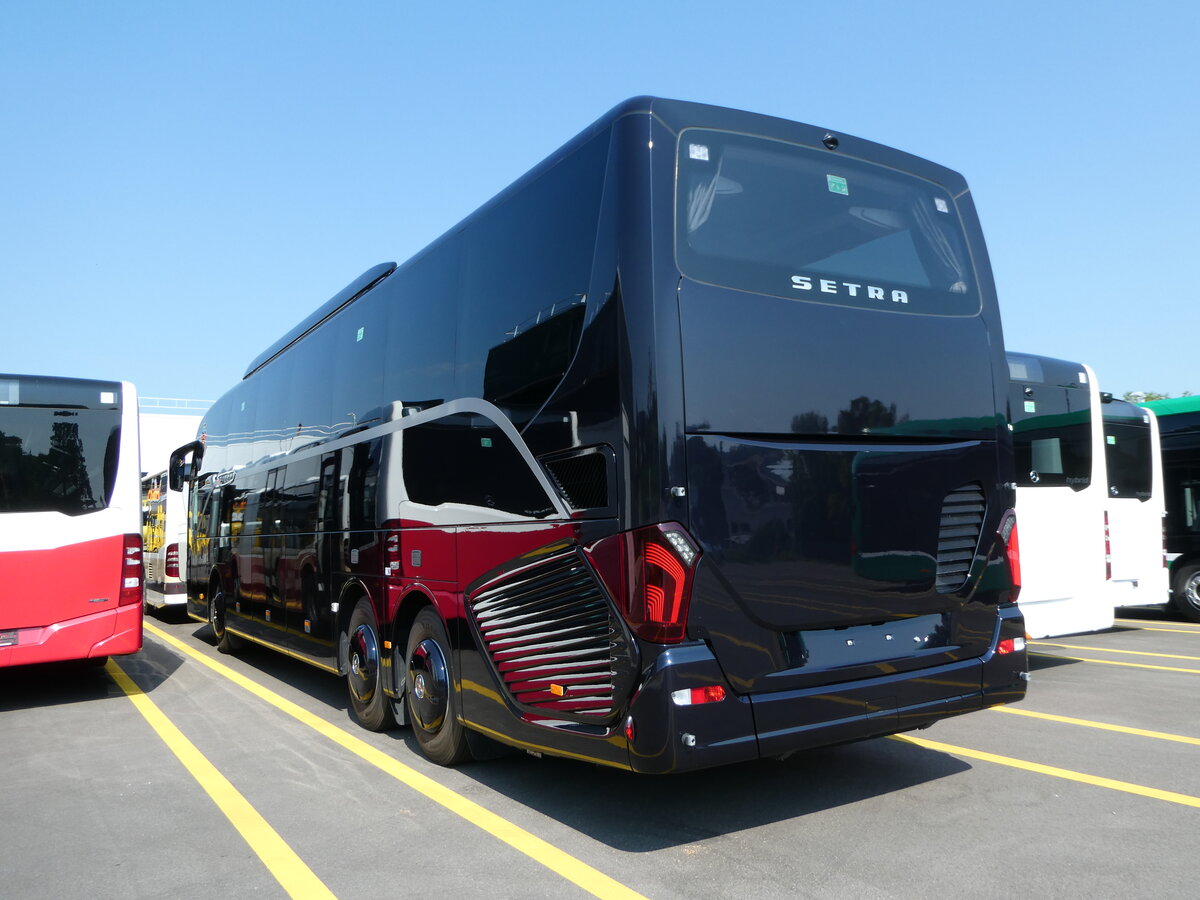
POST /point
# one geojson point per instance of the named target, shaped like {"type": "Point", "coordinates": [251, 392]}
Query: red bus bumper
{"type": "Point", "coordinates": [108, 633]}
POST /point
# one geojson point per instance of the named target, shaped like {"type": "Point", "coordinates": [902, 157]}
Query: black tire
{"type": "Point", "coordinates": [226, 642]}
{"type": "Point", "coordinates": [364, 670]}
{"type": "Point", "coordinates": [1187, 592]}
{"type": "Point", "coordinates": [429, 692]}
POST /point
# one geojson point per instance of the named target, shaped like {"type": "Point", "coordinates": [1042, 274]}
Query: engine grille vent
{"type": "Point", "coordinates": [582, 479]}
{"type": "Point", "coordinates": [962, 520]}
{"type": "Point", "coordinates": [554, 639]}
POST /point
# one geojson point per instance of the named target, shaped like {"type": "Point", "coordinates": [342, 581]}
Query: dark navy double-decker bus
{"type": "Point", "coordinates": [688, 448]}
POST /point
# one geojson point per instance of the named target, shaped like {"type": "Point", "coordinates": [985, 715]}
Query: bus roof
{"type": "Point", "coordinates": [1173, 405]}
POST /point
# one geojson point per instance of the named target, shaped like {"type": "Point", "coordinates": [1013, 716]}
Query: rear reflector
{"type": "Point", "coordinates": [710, 693]}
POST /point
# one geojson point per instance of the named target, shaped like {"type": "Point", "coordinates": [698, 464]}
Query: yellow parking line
{"type": "Point", "coordinates": [1088, 723]}
{"type": "Point", "coordinates": [1110, 783]}
{"type": "Point", "coordinates": [1113, 662]}
{"type": "Point", "coordinates": [1111, 650]}
{"type": "Point", "coordinates": [574, 870]}
{"type": "Point", "coordinates": [281, 861]}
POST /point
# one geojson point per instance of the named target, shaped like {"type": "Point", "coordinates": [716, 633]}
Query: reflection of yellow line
{"type": "Point", "coordinates": [1156, 622]}
{"type": "Point", "coordinates": [558, 861]}
{"type": "Point", "coordinates": [1110, 650]}
{"type": "Point", "coordinates": [281, 861]}
{"type": "Point", "coordinates": [1172, 630]}
{"type": "Point", "coordinates": [1083, 778]}
{"type": "Point", "coordinates": [1088, 723]}
{"type": "Point", "coordinates": [1113, 662]}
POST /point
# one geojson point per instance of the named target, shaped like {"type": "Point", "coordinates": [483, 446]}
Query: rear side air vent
{"type": "Point", "coordinates": [555, 640]}
{"type": "Point", "coordinates": [958, 536]}
{"type": "Point", "coordinates": [582, 478]}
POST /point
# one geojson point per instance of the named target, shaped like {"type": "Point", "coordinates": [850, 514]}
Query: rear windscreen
{"type": "Point", "coordinates": [59, 445]}
{"type": "Point", "coordinates": [1127, 450]}
{"type": "Point", "coordinates": [1049, 404]}
{"type": "Point", "coordinates": [776, 218]}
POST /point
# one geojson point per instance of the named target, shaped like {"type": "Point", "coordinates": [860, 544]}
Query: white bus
{"type": "Point", "coordinates": [1136, 568]}
{"type": "Point", "coordinates": [70, 547]}
{"type": "Point", "coordinates": [164, 540]}
{"type": "Point", "coordinates": [1058, 436]}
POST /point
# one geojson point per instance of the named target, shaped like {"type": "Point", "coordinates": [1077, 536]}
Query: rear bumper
{"type": "Point", "coordinates": [108, 633]}
{"type": "Point", "coordinates": [171, 593]}
{"type": "Point", "coordinates": [671, 738]}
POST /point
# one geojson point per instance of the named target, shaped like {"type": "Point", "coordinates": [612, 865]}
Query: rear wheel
{"type": "Point", "coordinates": [429, 690]}
{"type": "Point", "coordinates": [364, 671]}
{"type": "Point", "coordinates": [1187, 592]}
{"type": "Point", "coordinates": [226, 642]}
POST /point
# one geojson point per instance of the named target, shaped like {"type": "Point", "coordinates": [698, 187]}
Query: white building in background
{"type": "Point", "coordinates": [167, 423]}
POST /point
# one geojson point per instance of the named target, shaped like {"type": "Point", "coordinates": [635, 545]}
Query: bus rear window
{"type": "Point", "coordinates": [1127, 450]}
{"type": "Point", "coordinates": [55, 459]}
{"type": "Point", "coordinates": [776, 218]}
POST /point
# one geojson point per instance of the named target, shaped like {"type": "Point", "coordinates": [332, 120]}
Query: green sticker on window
{"type": "Point", "coordinates": [837, 184]}
{"type": "Point", "coordinates": [485, 442]}
{"type": "Point", "coordinates": [1111, 438]}
{"type": "Point", "coordinates": [1030, 406]}
{"type": "Point", "coordinates": [360, 334]}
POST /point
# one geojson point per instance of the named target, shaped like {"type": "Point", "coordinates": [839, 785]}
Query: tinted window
{"type": "Point", "coordinates": [359, 336]}
{"type": "Point", "coordinates": [273, 434]}
{"type": "Point", "coordinates": [469, 461]}
{"type": "Point", "coordinates": [1127, 450]}
{"type": "Point", "coordinates": [776, 218]}
{"type": "Point", "coordinates": [421, 301]}
{"type": "Point", "coordinates": [59, 445]}
{"type": "Point", "coordinates": [1049, 406]}
{"type": "Point", "coordinates": [309, 399]}
{"type": "Point", "coordinates": [297, 498]}
{"type": "Point", "coordinates": [528, 263]}
{"type": "Point", "coordinates": [240, 435]}
{"type": "Point", "coordinates": [361, 462]}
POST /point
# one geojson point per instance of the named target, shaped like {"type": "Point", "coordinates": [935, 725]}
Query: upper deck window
{"type": "Point", "coordinates": [776, 218]}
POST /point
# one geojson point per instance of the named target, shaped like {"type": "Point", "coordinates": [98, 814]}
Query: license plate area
{"type": "Point", "coordinates": [828, 648]}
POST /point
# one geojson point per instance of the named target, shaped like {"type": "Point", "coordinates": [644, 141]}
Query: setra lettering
{"type": "Point", "coordinates": [832, 286]}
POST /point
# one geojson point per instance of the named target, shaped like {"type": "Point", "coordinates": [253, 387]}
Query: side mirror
{"type": "Point", "coordinates": [185, 465]}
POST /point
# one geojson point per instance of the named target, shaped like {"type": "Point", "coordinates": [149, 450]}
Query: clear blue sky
{"type": "Point", "coordinates": [181, 182]}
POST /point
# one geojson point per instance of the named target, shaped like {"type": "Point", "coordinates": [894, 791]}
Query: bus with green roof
{"type": "Point", "coordinates": [1179, 428]}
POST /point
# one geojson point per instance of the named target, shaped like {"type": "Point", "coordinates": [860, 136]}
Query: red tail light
{"type": "Point", "coordinates": [649, 572]}
{"type": "Point", "coordinates": [1107, 550]}
{"type": "Point", "coordinates": [710, 693]}
{"type": "Point", "coordinates": [1012, 550]}
{"type": "Point", "coordinates": [172, 560]}
{"type": "Point", "coordinates": [131, 571]}
{"type": "Point", "coordinates": [1010, 645]}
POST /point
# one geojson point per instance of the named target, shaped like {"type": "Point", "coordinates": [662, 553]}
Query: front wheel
{"type": "Point", "coordinates": [429, 690]}
{"type": "Point", "coordinates": [1187, 592]}
{"type": "Point", "coordinates": [364, 671]}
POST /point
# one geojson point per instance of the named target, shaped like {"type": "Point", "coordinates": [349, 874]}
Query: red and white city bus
{"type": "Point", "coordinates": [70, 520]}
